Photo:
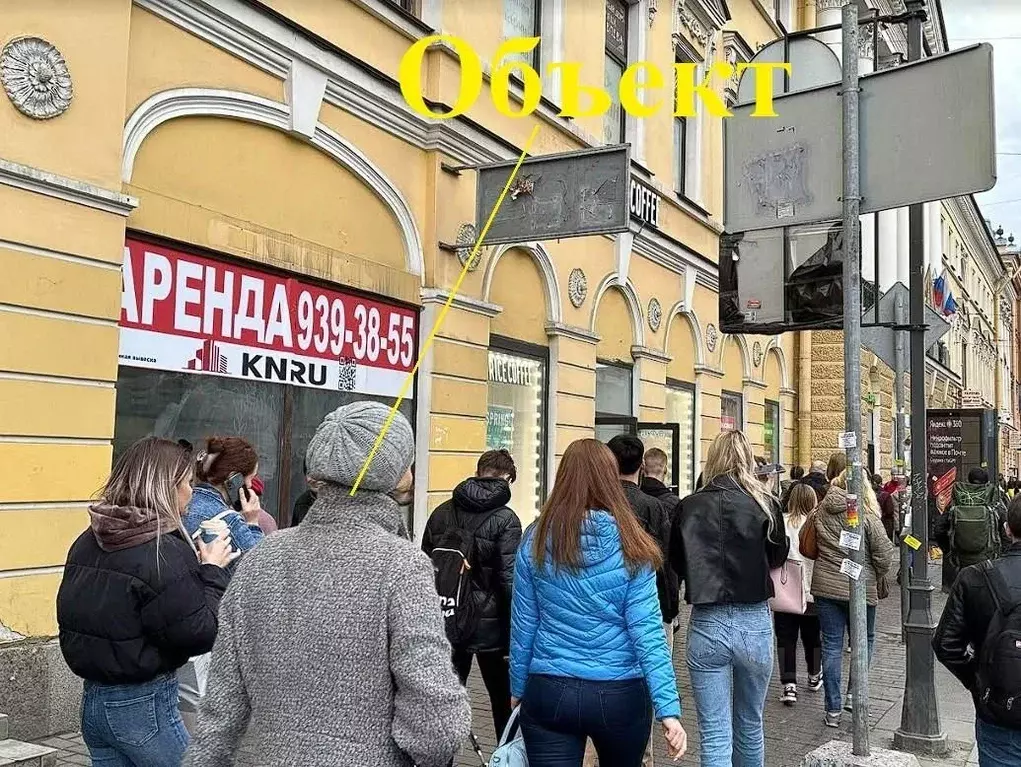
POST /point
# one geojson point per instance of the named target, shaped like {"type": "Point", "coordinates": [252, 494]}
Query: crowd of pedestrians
{"type": "Point", "coordinates": [176, 601]}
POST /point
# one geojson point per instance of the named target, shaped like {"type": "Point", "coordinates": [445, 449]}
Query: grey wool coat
{"type": "Point", "coordinates": [332, 649]}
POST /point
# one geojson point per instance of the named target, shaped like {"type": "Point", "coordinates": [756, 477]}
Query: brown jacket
{"type": "Point", "coordinates": [827, 580]}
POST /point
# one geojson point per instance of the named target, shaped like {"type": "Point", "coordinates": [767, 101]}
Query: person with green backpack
{"type": "Point", "coordinates": [971, 530]}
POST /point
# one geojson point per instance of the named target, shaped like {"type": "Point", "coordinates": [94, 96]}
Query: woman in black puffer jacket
{"type": "Point", "coordinates": [135, 603]}
{"type": "Point", "coordinates": [479, 504]}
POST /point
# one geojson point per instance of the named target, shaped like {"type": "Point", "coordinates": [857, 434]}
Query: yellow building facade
{"type": "Point", "coordinates": [211, 167]}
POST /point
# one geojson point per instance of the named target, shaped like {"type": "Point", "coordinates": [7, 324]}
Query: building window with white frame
{"type": "Point", "coordinates": [614, 400]}
{"type": "Point", "coordinates": [783, 12]}
{"type": "Point", "coordinates": [687, 135]}
{"type": "Point", "coordinates": [616, 62]}
{"type": "Point", "coordinates": [523, 18]}
{"type": "Point", "coordinates": [680, 154]}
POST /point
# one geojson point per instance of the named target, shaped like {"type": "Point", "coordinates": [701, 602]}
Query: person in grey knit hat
{"type": "Point", "coordinates": [373, 685]}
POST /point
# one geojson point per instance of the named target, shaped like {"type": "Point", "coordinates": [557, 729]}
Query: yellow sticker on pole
{"type": "Point", "coordinates": [913, 542]}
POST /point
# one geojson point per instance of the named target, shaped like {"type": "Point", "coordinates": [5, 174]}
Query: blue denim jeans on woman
{"type": "Point", "coordinates": [997, 746]}
{"type": "Point", "coordinates": [834, 623]}
{"type": "Point", "coordinates": [134, 725]}
{"type": "Point", "coordinates": [730, 658]}
{"type": "Point", "coordinates": [559, 713]}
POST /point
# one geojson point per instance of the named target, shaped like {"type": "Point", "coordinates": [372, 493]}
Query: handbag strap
{"type": "Point", "coordinates": [511, 730]}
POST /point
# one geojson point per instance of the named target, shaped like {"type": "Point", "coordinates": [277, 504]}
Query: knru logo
{"type": "Point", "coordinates": [282, 369]}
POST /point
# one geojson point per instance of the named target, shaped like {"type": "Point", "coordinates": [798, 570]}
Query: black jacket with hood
{"type": "Point", "coordinates": [480, 503]}
{"type": "Point", "coordinates": [667, 582]}
{"type": "Point", "coordinates": [128, 614]}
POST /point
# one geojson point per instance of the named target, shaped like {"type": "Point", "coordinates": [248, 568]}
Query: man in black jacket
{"type": "Point", "coordinates": [479, 505]}
{"type": "Point", "coordinates": [654, 484]}
{"type": "Point", "coordinates": [654, 516]}
{"type": "Point", "coordinates": [962, 632]}
{"type": "Point", "coordinates": [630, 452]}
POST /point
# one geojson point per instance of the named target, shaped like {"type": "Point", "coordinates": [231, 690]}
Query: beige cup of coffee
{"type": "Point", "coordinates": [212, 529]}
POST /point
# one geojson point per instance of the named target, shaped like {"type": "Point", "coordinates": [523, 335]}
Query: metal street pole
{"type": "Point", "coordinates": [852, 371]}
{"type": "Point", "coordinates": [920, 730]}
{"type": "Point", "coordinates": [899, 414]}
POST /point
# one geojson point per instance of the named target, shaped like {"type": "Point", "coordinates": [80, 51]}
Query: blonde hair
{"type": "Point", "coordinates": [801, 502]}
{"type": "Point", "coordinates": [730, 455]}
{"type": "Point", "coordinates": [868, 496]}
{"type": "Point", "coordinates": [146, 476]}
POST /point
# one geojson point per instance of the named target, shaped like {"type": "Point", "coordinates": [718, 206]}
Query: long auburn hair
{"type": "Point", "coordinates": [588, 479]}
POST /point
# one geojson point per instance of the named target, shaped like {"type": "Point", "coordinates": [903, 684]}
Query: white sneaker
{"type": "Point", "coordinates": [833, 718]}
{"type": "Point", "coordinates": [789, 696]}
{"type": "Point", "coordinates": [815, 683]}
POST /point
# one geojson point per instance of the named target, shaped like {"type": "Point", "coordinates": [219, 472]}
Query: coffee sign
{"type": "Point", "coordinates": [505, 369]}
{"type": "Point", "coordinates": [644, 203]}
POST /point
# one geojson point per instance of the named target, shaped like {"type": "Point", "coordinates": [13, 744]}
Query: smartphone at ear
{"type": "Point", "coordinates": [235, 487]}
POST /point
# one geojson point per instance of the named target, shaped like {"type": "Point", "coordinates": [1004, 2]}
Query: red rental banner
{"type": "Point", "coordinates": [172, 299]}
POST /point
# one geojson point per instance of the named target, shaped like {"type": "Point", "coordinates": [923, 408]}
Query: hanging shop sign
{"type": "Point", "coordinates": [192, 314]}
{"type": "Point", "coordinates": [644, 203]}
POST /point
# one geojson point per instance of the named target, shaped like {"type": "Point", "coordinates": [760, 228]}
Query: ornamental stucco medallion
{"type": "Point", "coordinates": [36, 78]}
{"type": "Point", "coordinates": [577, 287]}
{"type": "Point", "coordinates": [466, 236]}
{"type": "Point", "coordinates": [655, 315]}
{"type": "Point", "coordinates": [711, 337]}
{"type": "Point", "coordinates": [757, 354]}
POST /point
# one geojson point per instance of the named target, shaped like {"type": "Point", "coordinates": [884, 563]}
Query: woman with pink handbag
{"type": "Point", "coordinates": [794, 611]}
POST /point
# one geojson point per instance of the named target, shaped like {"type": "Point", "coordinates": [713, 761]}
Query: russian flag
{"type": "Point", "coordinates": [939, 290]}
{"type": "Point", "coordinates": [950, 307]}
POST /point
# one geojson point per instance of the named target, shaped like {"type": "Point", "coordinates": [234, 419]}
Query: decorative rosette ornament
{"type": "Point", "coordinates": [36, 78]}
{"type": "Point", "coordinates": [577, 287]}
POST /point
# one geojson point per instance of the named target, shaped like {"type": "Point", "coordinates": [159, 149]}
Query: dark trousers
{"type": "Point", "coordinates": [559, 713]}
{"type": "Point", "coordinates": [495, 672]}
{"type": "Point", "coordinates": [788, 627]}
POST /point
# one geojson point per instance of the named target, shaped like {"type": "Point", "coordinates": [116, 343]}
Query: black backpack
{"type": "Point", "coordinates": [999, 662]}
{"type": "Point", "coordinates": [453, 558]}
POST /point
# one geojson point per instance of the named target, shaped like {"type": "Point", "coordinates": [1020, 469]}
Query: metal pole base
{"type": "Point", "coordinates": [937, 746]}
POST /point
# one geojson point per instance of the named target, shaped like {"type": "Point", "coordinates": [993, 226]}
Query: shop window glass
{"type": "Point", "coordinates": [515, 421]}
{"type": "Point", "coordinates": [771, 431]}
{"type": "Point", "coordinates": [193, 407]}
{"type": "Point", "coordinates": [731, 416]}
{"type": "Point", "coordinates": [680, 409]}
{"type": "Point", "coordinates": [613, 401]}
{"type": "Point", "coordinates": [522, 18]}
{"type": "Point", "coordinates": [308, 409]}
{"type": "Point", "coordinates": [616, 61]}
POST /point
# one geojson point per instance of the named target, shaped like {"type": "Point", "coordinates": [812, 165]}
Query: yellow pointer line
{"type": "Point", "coordinates": [443, 313]}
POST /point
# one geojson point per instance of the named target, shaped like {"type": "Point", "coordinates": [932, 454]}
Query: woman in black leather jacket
{"type": "Point", "coordinates": [726, 539]}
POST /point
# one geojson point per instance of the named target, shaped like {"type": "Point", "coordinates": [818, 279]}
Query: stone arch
{"type": "Point", "coordinates": [693, 325]}
{"type": "Point", "coordinates": [210, 102]}
{"type": "Point", "coordinates": [627, 289]}
{"type": "Point", "coordinates": [742, 345]}
{"type": "Point", "coordinates": [773, 347]}
{"type": "Point", "coordinates": [541, 257]}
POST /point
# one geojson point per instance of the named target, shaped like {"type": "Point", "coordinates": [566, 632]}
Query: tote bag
{"type": "Point", "coordinates": [789, 588]}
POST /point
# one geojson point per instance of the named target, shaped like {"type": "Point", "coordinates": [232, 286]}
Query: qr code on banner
{"type": "Point", "coordinates": [347, 374]}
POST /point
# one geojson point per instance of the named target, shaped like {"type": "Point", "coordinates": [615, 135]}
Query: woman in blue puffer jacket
{"type": "Point", "coordinates": [588, 654]}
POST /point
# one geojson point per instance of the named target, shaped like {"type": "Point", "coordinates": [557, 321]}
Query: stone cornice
{"type": "Point", "coordinates": [709, 371]}
{"type": "Point", "coordinates": [648, 353]}
{"type": "Point", "coordinates": [571, 331]}
{"type": "Point", "coordinates": [72, 190]}
{"type": "Point", "coordinates": [753, 383]}
{"type": "Point", "coordinates": [462, 302]}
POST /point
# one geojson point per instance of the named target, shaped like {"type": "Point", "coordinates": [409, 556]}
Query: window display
{"type": "Point", "coordinates": [515, 421]}
{"type": "Point", "coordinates": [680, 409]}
{"type": "Point", "coordinates": [731, 415]}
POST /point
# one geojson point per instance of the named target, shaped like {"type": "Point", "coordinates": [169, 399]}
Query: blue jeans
{"type": "Point", "coordinates": [835, 622]}
{"type": "Point", "coordinates": [730, 658]}
{"type": "Point", "coordinates": [559, 713]}
{"type": "Point", "coordinates": [997, 746]}
{"type": "Point", "coordinates": [134, 725]}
